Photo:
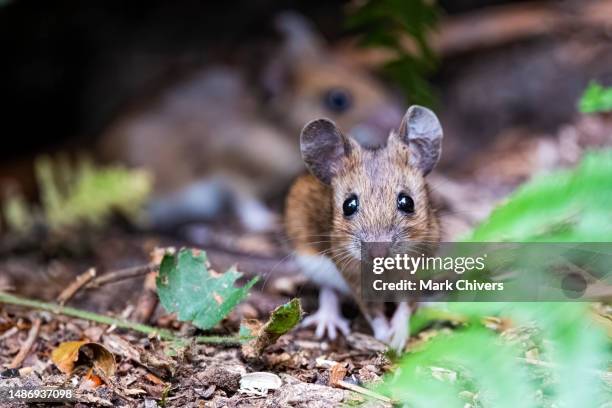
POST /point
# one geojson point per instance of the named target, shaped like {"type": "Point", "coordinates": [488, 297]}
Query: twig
{"type": "Point", "coordinates": [364, 391]}
{"type": "Point", "coordinates": [122, 323]}
{"type": "Point", "coordinates": [27, 345]}
{"type": "Point", "coordinates": [9, 333]}
{"type": "Point", "coordinates": [75, 286]}
{"type": "Point", "coordinates": [147, 301]}
{"type": "Point", "coordinates": [123, 274]}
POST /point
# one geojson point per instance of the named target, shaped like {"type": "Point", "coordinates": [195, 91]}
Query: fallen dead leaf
{"type": "Point", "coordinates": [157, 363]}
{"type": "Point", "coordinates": [68, 354]}
{"type": "Point", "coordinates": [337, 373]}
{"type": "Point", "coordinates": [154, 379]}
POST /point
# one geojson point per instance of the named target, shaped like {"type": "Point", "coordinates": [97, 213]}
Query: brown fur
{"type": "Point", "coordinates": [315, 223]}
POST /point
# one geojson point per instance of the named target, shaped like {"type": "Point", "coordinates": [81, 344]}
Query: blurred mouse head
{"type": "Point", "coordinates": [308, 80]}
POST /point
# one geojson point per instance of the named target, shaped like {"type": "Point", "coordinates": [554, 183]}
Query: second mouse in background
{"type": "Point", "coordinates": [218, 142]}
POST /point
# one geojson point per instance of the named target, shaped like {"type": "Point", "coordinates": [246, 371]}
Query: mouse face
{"type": "Point", "coordinates": [378, 195]}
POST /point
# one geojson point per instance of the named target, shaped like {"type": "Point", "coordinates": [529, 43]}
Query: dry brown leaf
{"type": "Point", "coordinates": [337, 373]}
{"type": "Point", "coordinates": [68, 354]}
{"type": "Point", "coordinates": [154, 379]}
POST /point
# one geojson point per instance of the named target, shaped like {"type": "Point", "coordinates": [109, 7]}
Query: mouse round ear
{"type": "Point", "coordinates": [421, 131]}
{"type": "Point", "coordinates": [324, 148]}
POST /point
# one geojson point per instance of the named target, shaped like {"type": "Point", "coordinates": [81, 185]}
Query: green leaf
{"type": "Point", "coordinates": [198, 295]}
{"type": "Point", "coordinates": [596, 98]}
{"type": "Point", "coordinates": [284, 318]}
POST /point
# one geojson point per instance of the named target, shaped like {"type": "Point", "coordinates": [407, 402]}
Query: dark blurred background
{"type": "Point", "coordinates": [71, 68]}
{"type": "Point", "coordinates": [68, 66]}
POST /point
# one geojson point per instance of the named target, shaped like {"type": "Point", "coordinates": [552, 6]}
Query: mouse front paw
{"type": "Point", "coordinates": [328, 319]}
{"type": "Point", "coordinates": [327, 325]}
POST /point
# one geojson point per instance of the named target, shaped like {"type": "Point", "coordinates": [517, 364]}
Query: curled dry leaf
{"type": "Point", "coordinates": [69, 354]}
{"type": "Point", "coordinates": [259, 383]}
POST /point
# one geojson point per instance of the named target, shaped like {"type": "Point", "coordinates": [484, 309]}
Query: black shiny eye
{"type": "Point", "coordinates": [338, 100]}
{"type": "Point", "coordinates": [405, 203]}
{"type": "Point", "coordinates": [350, 206]}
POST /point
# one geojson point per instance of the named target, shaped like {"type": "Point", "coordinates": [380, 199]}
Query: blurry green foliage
{"type": "Point", "coordinates": [384, 23]}
{"type": "Point", "coordinates": [17, 214]}
{"type": "Point", "coordinates": [596, 98]}
{"type": "Point", "coordinates": [567, 206]}
{"type": "Point", "coordinates": [482, 369]}
{"type": "Point", "coordinates": [86, 194]}
{"type": "Point", "coordinates": [186, 285]}
{"type": "Point", "coordinates": [472, 366]}
{"type": "Point", "coordinates": [77, 194]}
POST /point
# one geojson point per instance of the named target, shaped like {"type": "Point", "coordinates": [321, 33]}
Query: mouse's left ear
{"type": "Point", "coordinates": [421, 131]}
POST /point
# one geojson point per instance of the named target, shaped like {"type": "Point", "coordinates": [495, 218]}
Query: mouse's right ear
{"type": "Point", "coordinates": [324, 148]}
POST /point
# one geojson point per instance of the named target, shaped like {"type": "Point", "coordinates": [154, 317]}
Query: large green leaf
{"type": "Point", "coordinates": [197, 294]}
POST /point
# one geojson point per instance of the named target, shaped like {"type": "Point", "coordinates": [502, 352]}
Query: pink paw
{"type": "Point", "coordinates": [327, 320]}
{"type": "Point", "coordinates": [327, 325]}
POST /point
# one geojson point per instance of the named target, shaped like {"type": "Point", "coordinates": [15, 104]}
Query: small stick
{"type": "Point", "coordinates": [123, 274]}
{"type": "Point", "coordinates": [27, 345]}
{"type": "Point", "coordinates": [9, 333]}
{"type": "Point", "coordinates": [147, 301]}
{"type": "Point", "coordinates": [75, 286]}
{"type": "Point", "coordinates": [361, 390]}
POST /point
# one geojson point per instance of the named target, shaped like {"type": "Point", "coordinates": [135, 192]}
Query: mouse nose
{"type": "Point", "coordinates": [379, 249]}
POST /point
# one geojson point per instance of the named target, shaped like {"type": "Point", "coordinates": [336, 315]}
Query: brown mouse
{"type": "Point", "coordinates": [355, 194]}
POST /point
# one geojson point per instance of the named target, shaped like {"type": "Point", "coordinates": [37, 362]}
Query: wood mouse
{"type": "Point", "coordinates": [355, 194]}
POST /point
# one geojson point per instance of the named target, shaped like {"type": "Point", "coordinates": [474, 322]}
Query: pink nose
{"type": "Point", "coordinates": [379, 249]}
